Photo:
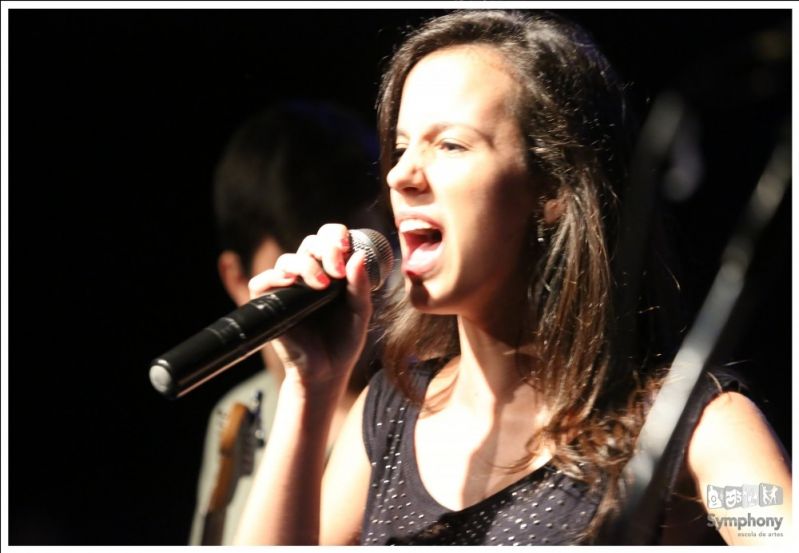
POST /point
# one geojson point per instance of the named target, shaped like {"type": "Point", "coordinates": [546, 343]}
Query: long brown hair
{"type": "Point", "coordinates": [574, 116]}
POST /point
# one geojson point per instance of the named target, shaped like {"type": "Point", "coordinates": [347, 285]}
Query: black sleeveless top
{"type": "Point", "coordinates": [545, 507]}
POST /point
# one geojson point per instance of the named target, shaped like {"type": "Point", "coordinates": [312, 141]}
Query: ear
{"type": "Point", "coordinates": [234, 277]}
{"type": "Point", "coordinates": [553, 210]}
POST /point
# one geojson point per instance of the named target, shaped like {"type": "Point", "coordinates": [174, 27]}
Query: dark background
{"type": "Point", "coordinates": [117, 118]}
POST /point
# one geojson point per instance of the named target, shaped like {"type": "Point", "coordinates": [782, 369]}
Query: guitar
{"type": "Point", "coordinates": [241, 435]}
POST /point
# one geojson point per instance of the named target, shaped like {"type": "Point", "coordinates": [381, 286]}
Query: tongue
{"type": "Point", "coordinates": [423, 257]}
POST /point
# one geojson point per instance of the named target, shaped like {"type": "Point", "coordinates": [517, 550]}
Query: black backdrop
{"type": "Point", "coordinates": [117, 118]}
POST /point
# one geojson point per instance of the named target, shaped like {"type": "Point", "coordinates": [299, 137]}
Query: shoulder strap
{"type": "Point", "coordinates": [379, 396]}
{"type": "Point", "coordinates": [384, 398]}
{"type": "Point", "coordinates": [712, 383]}
{"type": "Point", "coordinates": [646, 528]}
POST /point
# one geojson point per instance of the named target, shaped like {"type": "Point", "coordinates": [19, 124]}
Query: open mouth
{"type": "Point", "coordinates": [423, 242]}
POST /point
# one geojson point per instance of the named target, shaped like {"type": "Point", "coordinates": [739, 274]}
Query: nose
{"type": "Point", "coordinates": [408, 174]}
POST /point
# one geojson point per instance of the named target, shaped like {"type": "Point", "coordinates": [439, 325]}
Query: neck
{"type": "Point", "coordinates": [490, 367]}
{"type": "Point", "coordinates": [490, 335]}
{"type": "Point", "coordinates": [484, 388]}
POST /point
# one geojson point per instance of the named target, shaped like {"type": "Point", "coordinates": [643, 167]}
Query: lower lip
{"type": "Point", "coordinates": [422, 260]}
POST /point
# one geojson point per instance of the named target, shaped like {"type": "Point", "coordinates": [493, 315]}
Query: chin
{"type": "Point", "coordinates": [417, 294]}
{"type": "Point", "coordinates": [425, 298]}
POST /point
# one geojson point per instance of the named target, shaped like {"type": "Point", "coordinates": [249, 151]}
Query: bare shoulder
{"type": "Point", "coordinates": [733, 446]}
{"type": "Point", "coordinates": [732, 424]}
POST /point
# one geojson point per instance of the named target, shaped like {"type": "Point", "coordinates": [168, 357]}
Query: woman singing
{"type": "Point", "coordinates": [508, 404]}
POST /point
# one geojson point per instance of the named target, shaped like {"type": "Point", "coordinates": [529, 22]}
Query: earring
{"type": "Point", "coordinates": [540, 233]}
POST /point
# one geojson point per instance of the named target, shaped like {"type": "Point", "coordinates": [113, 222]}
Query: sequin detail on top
{"type": "Point", "coordinates": [545, 507]}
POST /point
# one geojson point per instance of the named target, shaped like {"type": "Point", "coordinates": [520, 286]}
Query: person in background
{"type": "Point", "coordinates": [284, 172]}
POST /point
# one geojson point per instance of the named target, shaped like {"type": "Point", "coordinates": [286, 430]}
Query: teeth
{"type": "Point", "coordinates": [411, 225]}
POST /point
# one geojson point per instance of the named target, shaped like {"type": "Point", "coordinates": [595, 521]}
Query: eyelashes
{"type": "Point", "coordinates": [451, 146]}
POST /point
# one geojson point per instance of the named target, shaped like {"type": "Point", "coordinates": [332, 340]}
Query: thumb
{"type": "Point", "coordinates": [358, 286]}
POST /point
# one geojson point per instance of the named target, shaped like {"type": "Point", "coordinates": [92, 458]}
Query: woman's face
{"type": "Point", "coordinates": [460, 189]}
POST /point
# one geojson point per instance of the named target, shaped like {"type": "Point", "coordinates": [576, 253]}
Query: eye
{"type": "Point", "coordinates": [450, 145]}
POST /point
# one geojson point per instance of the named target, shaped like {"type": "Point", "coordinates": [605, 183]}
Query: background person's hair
{"type": "Point", "coordinates": [291, 168]}
{"type": "Point", "coordinates": [573, 114]}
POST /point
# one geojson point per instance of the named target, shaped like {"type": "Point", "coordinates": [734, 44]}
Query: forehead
{"type": "Point", "coordinates": [470, 83]}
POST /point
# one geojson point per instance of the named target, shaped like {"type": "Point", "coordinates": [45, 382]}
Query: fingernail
{"type": "Point", "coordinates": [323, 279]}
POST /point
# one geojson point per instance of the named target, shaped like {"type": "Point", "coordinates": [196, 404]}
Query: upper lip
{"type": "Point", "coordinates": [405, 215]}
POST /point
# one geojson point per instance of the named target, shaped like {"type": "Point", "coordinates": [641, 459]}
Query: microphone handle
{"type": "Point", "coordinates": [236, 336]}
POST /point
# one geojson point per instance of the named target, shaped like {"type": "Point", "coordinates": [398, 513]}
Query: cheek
{"type": "Point", "coordinates": [507, 208]}
{"type": "Point", "coordinates": [503, 226]}
{"type": "Point", "coordinates": [392, 200]}
{"type": "Point", "coordinates": [516, 200]}
{"type": "Point", "coordinates": [453, 174]}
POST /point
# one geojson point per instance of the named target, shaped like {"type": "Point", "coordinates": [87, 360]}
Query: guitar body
{"type": "Point", "coordinates": [238, 441]}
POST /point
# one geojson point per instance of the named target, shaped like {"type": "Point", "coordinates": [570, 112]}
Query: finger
{"type": "Point", "coordinates": [271, 278]}
{"type": "Point", "coordinates": [328, 250]}
{"type": "Point", "coordinates": [305, 266]}
{"type": "Point", "coordinates": [335, 232]}
{"type": "Point", "coordinates": [335, 239]}
{"type": "Point", "coordinates": [310, 246]}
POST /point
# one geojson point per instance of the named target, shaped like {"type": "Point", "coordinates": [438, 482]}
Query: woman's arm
{"type": "Point", "coordinates": [290, 497]}
{"type": "Point", "coordinates": [346, 482]}
{"type": "Point", "coordinates": [284, 506]}
{"type": "Point", "coordinates": [733, 445]}
{"type": "Point", "coordinates": [284, 503]}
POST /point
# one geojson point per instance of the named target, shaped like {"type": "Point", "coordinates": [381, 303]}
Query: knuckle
{"type": "Point", "coordinates": [308, 244]}
{"type": "Point", "coordinates": [252, 285]}
{"type": "Point", "coordinates": [308, 267]}
{"type": "Point", "coordinates": [333, 230]}
{"type": "Point", "coordinates": [257, 283]}
{"type": "Point", "coordinates": [284, 261]}
{"type": "Point", "coordinates": [317, 271]}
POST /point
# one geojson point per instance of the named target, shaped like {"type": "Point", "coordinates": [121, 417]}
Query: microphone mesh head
{"type": "Point", "coordinates": [379, 257]}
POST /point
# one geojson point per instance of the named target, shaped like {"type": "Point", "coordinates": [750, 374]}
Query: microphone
{"type": "Point", "coordinates": [247, 329]}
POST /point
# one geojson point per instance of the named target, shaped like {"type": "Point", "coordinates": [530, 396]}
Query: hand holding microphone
{"type": "Point", "coordinates": [358, 261]}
